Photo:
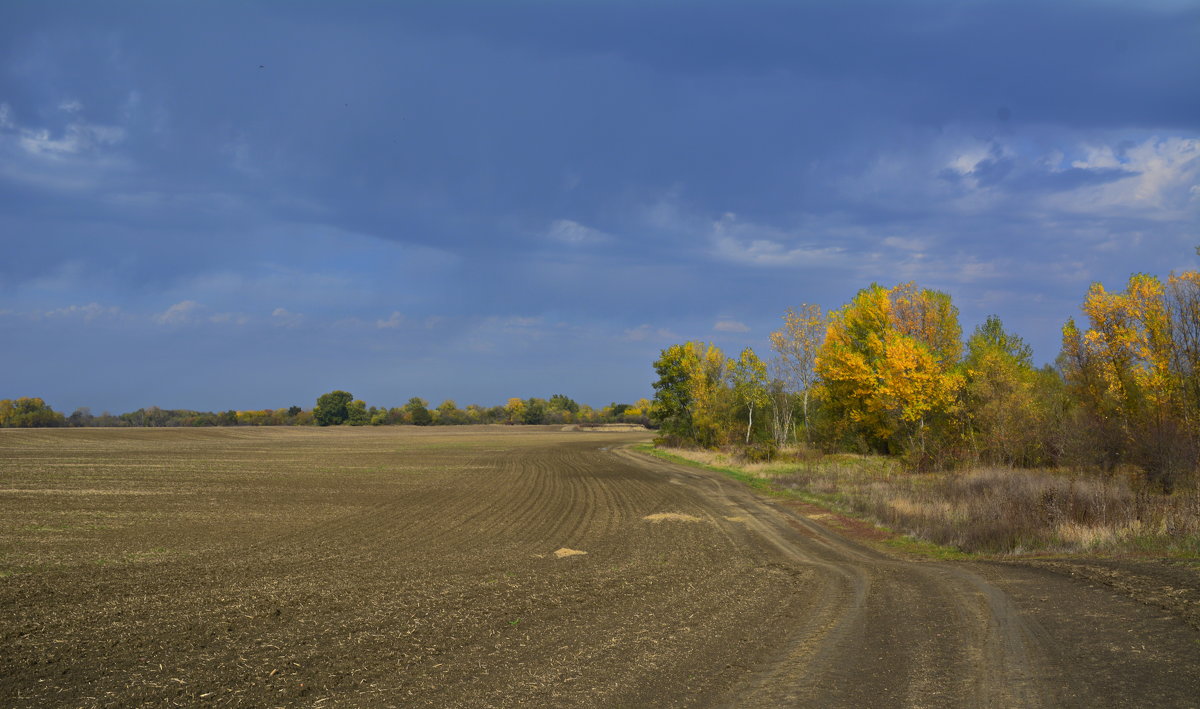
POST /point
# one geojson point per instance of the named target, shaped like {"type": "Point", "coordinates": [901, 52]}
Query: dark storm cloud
{"type": "Point", "coordinates": [610, 174]}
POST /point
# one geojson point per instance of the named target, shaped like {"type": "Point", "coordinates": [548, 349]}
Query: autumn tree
{"type": "Point", "coordinates": [887, 366]}
{"type": "Point", "coordinates": [448, 413]}
{"type": "Point", "coordinates": [690, 394]}
{"type": "Point", "coordinates": [1133, 372]}
{"type": "Point", "coordinates": [709, 396]}
{"type": "Point", "coordinates": [637, 412]}
{"type": "Point", "coordinates": [1183, 312]}
{"type": "Point", "coordinates": [796, 345]}
{"type": "Point", "coordinates": [514, 410]}
{"type": "Point", "coordinates": [28, 412]}
{"type": "Point", "coordinates": [672, 408]}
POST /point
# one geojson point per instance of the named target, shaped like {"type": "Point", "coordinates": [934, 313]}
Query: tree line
{"type": "Point", "coordinates": [889, 372]}
{"type": "Point", "coordinates": [334, 408]}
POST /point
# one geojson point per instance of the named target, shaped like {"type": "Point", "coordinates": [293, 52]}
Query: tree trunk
{"type": "Point", "coordinates": [807, 433]}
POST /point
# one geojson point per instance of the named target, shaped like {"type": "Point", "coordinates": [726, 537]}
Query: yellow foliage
{"type": "Point", "coordinates": [1126, 354]}
{"type": "Point", "coordinates": [515, 408]}
{"type": "Point", "coordinates": [886, 362]}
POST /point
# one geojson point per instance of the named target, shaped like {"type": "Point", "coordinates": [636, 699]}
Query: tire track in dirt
{"type": "Point", "coordinates": [419, 583]}
{"type": "Point", "coordinates": [869, 606]}
{"type": "Point", "coordinates": [886, 631]}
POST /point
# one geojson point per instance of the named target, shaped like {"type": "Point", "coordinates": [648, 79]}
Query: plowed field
{"type": "Point", "coordinates": [508, 566]}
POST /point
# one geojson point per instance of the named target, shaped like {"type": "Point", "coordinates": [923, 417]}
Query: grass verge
{"type": "Point", "coordinates": [837, 514]}
{"type": "Point", "coordinates": [981, 511]}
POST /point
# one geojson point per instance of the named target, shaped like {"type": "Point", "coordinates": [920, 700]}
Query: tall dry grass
{"type": "Point", "coordinates": [992, 510]}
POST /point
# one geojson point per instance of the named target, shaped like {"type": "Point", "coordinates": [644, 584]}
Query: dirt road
{"type": "Point", "coordinates": [385, 567]}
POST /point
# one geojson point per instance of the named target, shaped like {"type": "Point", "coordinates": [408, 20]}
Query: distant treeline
{"type": "Point", "coordinates": [334, 408]}
{"type": "Point", "coordinates": [889, 373]}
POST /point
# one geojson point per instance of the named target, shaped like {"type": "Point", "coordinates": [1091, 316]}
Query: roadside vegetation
{"type": "Point", "coordinates": [982, 510]}
{"type": "Point", "coordinates": [881, 409]}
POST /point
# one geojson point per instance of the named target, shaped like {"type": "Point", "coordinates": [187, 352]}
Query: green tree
{"type": "Point", "coordinates": [691, 401]}
{"type": "Point", "coordinates": [748, 376]}
{"type": "Point", "coordinates": [535, 411]}
{"type": "Point", "coordinates": [672, 407]}
{"type": "Point", "coordinates": [561, 402]}
{"type": "Point", "coordinates": [332, 408]}
{"type": "Point", "coordinates": [1003, 411]}
{"type": "Point", "coordinates": [357, 414]}
{"type": "Point", "coordinates": [418, 411]}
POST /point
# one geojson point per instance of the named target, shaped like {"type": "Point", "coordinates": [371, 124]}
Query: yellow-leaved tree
{"type": "Point", "coordinates": [888, 367]}
{"type": "Point", "coordinates": [1133, 371]}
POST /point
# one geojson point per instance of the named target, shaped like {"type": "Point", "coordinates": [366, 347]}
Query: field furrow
{"type": "Point", "coordinates": [503, 566]}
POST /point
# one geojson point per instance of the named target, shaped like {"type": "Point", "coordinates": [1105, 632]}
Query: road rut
{"type": "Point", "coordinates": [420, 568]}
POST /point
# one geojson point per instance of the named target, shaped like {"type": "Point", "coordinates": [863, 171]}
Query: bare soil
{"type": "Point", "coordinates": [439, 567]}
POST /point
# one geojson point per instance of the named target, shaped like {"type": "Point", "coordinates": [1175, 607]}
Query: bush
{"type": "Point", "coordinates": [758, 452]}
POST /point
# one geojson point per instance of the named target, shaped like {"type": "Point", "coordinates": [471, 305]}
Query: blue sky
{"type": "Point", "coordinates": [243, 205]}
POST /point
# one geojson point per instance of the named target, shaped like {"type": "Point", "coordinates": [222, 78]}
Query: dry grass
{"type": "Point", "coordinates": [672, 516]}
{"type": "Point", "coordinates": [991, 510]}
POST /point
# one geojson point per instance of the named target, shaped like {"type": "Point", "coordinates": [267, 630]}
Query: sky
{"type": "Point", "coordinates": [244, 205]}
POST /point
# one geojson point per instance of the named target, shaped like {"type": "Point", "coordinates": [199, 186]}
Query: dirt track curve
{"type": "Point", "coordinates": [439, 569]}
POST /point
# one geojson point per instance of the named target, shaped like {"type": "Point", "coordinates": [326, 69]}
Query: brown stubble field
{"type": "Point", "coordinates": [380, 567]}
{"type": "Point", "coordinates": [410, 567]}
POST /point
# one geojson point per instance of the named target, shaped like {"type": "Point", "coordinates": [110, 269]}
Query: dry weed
{"type": "Point", "coordinates": [993, 510]}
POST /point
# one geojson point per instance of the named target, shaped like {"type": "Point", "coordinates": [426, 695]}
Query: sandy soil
{"type": "Point", "coordinates": [440, 567]}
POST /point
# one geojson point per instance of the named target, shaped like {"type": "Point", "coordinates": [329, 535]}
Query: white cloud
{"type": "Point", "coordinates": [758, 245]}
{"type": "Point", "coordinates": [968, 158]}
{"type": "Point", "coordinates": [285, 318]}
{"type": "Point", "coordinates": [78, 137]}
{"type": "Point", "coordinates": [188, 312]}
{"type": "Point", "coordinates": [931, 270]}
{"type": "Point", "coordinates": [571, 232]}
{"type": "Point", "coordinates": [178, 313]}
{"type": "Point", "coordinates": [71, 106]}
{"type": "Point", "coordinates": [644, 333]}
{"type": "Point", "coordinates": [88, 312]}
{"type": "Point", "coordinates": [1162, 185]}
{"type": "Point", "coordinates": [395, 320]}
{"type": "Point", "coordinates": [730, 326]}
{"type": "Point", "coordinates": [77, 156]}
